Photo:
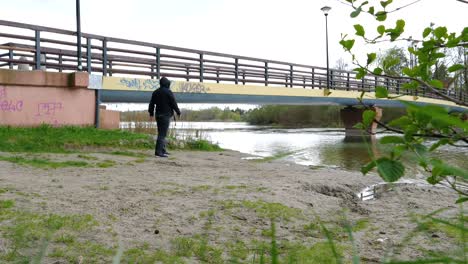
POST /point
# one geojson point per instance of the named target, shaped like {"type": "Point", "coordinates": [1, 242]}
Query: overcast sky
{"type": "Point", "coordinates": [286, 30]}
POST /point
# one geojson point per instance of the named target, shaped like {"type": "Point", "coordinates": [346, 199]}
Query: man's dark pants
{"type": "Point", "coordinates": [163, 122]}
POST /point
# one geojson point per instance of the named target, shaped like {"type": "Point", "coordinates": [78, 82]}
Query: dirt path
{"type": "Point", "coordinates": [147, 203]}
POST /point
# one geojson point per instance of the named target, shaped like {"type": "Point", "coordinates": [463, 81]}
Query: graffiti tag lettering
{"type": "Point", "coordinates": [137, 84]}
{"type": "Point", "coordinates": [186, 87]}
{"type": "Point", "coordinates": [3, 93]}
{"type": "Point", "coordinates": [11, 106]}
{"type": "Point", "coordinates": [48, 109]}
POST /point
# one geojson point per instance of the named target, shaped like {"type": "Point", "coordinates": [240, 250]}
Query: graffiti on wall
{"type": "Point", "coordinates": [140, 84]}
{"type": "Point", "coordinates": [48, 109]}
{"type": "Point", "coordinates": [187, 87]}
{"type": "Point", "coordinates": [7, 105]}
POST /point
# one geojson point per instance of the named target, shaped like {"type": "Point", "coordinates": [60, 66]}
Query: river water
{"type": "Point", "coordinates": [314, 147]}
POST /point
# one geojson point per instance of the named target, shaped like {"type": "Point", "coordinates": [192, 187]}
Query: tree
{"type": "Point", "coordinates": [393, 61]}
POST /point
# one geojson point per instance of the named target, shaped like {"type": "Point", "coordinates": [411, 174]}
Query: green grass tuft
{"type": "Point", "coordinates": [43, 163]}
{"type": "Point", "coordinates": [65, 139]}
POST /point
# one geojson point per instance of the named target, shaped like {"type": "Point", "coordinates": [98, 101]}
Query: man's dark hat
{"type": "Point", "coordinates": [164, 82]}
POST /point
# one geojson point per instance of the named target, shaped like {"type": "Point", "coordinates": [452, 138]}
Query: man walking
{"type": "Point", "coordinates": [166, 104]}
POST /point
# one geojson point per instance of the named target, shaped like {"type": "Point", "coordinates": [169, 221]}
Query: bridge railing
{"type": "Point", "coordinates": [56, 49]}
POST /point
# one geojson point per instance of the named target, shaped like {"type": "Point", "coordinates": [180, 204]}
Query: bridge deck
{"type": "Point", "coordinates": [239, 78]}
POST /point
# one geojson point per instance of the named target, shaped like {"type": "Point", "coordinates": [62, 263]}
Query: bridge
{"type": "Point", "coordinates": [124, 70]}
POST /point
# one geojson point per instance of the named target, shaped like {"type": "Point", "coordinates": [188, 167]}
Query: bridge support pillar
{"type": "Point", "coordinates": [351, 116]}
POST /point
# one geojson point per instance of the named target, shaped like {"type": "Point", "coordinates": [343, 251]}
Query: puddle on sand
{"type": "Point", "coordinates": [372, 192]}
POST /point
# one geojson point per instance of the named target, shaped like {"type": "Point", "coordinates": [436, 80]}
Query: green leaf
{"type": "Point", "coordinates": [439, 143]}
{"type": "Point", "coordinates": [462, 200]}
{"type": "Point", "coordinates": [381, 16]}
{"type": "Point", "coordinates": [360, 73]}
{"type": "Point", "coordinates": [427, 31]}
{"type": "Point", "coordinates": [456, 67]}
{"type": "Point", "coordinates": [401, 122]}
{"type": "Point", "coordinates": [384, 4]}
{"type": "Point", "coordinates": [390, 170]}
{"type": "Point", "coordinates": [368, 117]}
{"type": "Point", "coordinates": [411, 85]}
{"type": "Point", "coordinates": [392, 140]}
{"type": "Point", "coordinates": [437, 84]}
{"type": "Point", "coordinates": [371, 10]}
{"type": "Point", "coordinates": [441, 169]}
{"type": "Point", "coordinates": [440, 32]}
{"type": "Point", "coordinates": [377, 71]}
{"type": "Point", "coordinates": [408, 72]}
{"type": "Point", "coordinates": [381, 29]}
{"type": "Point", "coordinates": [359, 30]}
{"type": "Point", "coordinates": [371, 57]}
{"type": "Point", "coordinates": [356, 12]}
{"type": "Point", "coordinates": [368, 167]}
{"type": "Point", "coordinates": [381, 92]}
{"type": "Point", "coordinates": [347, 44]}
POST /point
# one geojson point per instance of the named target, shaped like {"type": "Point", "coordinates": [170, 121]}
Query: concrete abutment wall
{"type": "Point", "coordinates": [32, 98]}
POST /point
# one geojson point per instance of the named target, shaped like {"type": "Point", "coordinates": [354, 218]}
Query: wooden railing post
{"type": "Point", "coordinates": [10, 57]}
{"type": "Point", "coordinates": [291, 75]}
{"type": "Point", "coordinates": [88, 55]}
{"type": "Point", "coordinates": [104, 57]}
{"type": "Point", "coordinates": [201, 67]}
{"type": "Point", "coordinates": [110, 67]}
{"type": "Point", "coordinates": [236, 70]}
{"type": "Point", "coordinates": [38, 50]}
{"type": "Point", "coordinates": [243, 77]}
{"type": "Point", "coordinates": [313, 78]}
{"type": "Point", "coordinates": [187, 72]}
{"type": "Point", "coordinates": [217, 75]}
{"type": "Point", "coordinates": [266, 73]}
{"type": "Point", "coordinates": [60, 61]}
{"type": "Point", "coordinates": [158, 63]}
{"type": "Point", "coordinates": [347, 82]}
{"type": "Point", "coordinates": [152, 71]}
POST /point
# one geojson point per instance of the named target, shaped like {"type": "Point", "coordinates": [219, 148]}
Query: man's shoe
{"type": "Point", "coordinates": [162, 155]}
{"type": "Point", "coordinates": [167, 153]}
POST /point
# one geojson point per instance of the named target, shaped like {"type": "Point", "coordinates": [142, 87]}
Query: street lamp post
{"type": "Point", "coordinates": [325, 10]}
{"type": "Point", "coordinates": [78, 34]}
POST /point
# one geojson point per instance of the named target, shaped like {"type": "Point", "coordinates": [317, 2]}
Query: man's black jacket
{"type": "Point", "coordinates": [165, 102]}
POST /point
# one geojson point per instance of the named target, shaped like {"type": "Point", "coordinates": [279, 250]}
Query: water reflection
{"type": "Point", "coordinates": [310, 146]}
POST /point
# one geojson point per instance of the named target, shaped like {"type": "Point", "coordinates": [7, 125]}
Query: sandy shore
{"type": "Point", "coordinates": [153, 201]}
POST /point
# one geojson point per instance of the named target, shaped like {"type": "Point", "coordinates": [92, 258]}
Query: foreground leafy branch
{"type": "Point", "coordinates": [424, 129]}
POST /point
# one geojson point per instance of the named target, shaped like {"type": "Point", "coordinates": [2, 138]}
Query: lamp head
{"type": "Point", "coordinates": [325, 10]}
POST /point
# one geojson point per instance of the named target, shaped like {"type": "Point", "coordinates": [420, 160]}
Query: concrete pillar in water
{"type": "Point", "coordinates": [351, 116]}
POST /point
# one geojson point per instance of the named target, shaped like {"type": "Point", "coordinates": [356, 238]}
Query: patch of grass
{"type": "Point", "coordinates": [360, 224]}
{"type": "Point", "coordinates": [193, 144]}
{"type": "Point", "coordinates": [273, 210]}
{"type": "Point", "coordinates": [43, 163]}
{"type": "Point", "coordinates": [3, 190]}
{"type": "Point", "coordinates": [233, 187]}
{"type": "Point", "coordinates": [65, 139]}
{"type": "Point", "coordinates": [87, 157]}
{"type": "Point", "coordinates": [26, 232]}
{"type": "Point", "coordinates": [5, 204]}
{"type": "Point", "coordinates": [91, 252]}
{"type": "Point", "coordinates": [128, 154]}
{"type": "Point", "coordinates": [140, 160]}
{"type": "Point", "coordinates": [106, 164]}
{"type": "Point", "coordinates": [318, 253]}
